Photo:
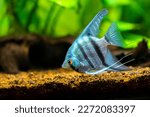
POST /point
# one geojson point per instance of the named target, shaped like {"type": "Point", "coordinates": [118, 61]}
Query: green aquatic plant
{"type": "Point", "coordinates": [57, 18]}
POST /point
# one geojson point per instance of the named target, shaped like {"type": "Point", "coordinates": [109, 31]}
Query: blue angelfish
{"type": "Point", "coordinates": [89, 54]}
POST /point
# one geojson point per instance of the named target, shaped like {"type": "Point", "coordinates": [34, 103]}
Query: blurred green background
{"type": "Point", "coordinates": [58, 18]}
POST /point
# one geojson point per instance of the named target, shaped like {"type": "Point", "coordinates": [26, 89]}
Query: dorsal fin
{"type": "Point", "coordinates": [93, 27]}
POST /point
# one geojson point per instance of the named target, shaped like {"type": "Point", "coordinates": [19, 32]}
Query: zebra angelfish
{"type": "Point", "coordinates": [89, 54]}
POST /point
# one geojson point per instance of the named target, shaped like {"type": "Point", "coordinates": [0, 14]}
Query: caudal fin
{"type": "Point", "coordinates": [114, 37]}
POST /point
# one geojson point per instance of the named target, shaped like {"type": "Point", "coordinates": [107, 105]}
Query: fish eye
{"type": "Point", "coordinates": [70, 62]}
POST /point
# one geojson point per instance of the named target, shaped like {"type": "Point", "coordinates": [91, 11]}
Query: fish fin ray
{"type": "Point", "coordinates": [93, 27]}
{"type": "Point", "coordinates": [111, 66]}
{"type": "Point", "coordinates": [114, 37]}
{"type": "Point", "coordinates": [111, 59]}
{"type": "Point", "coordinates": [94, 71]}
{"type": "Point", "coordinates": [125, 63]}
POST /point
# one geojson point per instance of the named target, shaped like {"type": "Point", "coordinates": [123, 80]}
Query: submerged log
{"type": "Point", "coordinates": [21, 53]}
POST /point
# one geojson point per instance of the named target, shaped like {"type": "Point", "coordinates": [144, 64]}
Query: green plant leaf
{"type": "Point", "coordinates": [126, 26]}
{"type": "Point", "coordinates": [66, 3]}
{"type": "Point", "coordinates": [132, 40]}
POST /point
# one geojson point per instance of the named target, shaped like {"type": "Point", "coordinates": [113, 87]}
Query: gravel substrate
{"type": "Point", "coordinates": [68, 84]}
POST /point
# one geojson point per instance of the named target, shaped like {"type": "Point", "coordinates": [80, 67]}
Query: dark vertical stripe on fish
{"type": "Point", "coordinates": [90, 51]}
{"type": "Point", "coordinates": [100, 54]}
{"type": "Point", "coordinates": [85, 55]}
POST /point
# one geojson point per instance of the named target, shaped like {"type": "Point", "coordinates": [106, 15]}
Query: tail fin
{"type": "Point", "coordinates": [113, 36]}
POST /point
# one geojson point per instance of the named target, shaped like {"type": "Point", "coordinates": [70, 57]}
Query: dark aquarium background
{"type": "Point", "coordinates": [60, 18]}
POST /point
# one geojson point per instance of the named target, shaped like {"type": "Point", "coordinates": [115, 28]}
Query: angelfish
{"type": "Point", "coordinates": [89, 54]}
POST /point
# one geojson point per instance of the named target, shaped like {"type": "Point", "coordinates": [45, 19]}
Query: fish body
{"type": "Point", "coordinates": [89, 54]}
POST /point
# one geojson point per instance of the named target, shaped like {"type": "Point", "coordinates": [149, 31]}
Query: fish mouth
{"type": "Point", "coordinates": [65, 65]}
